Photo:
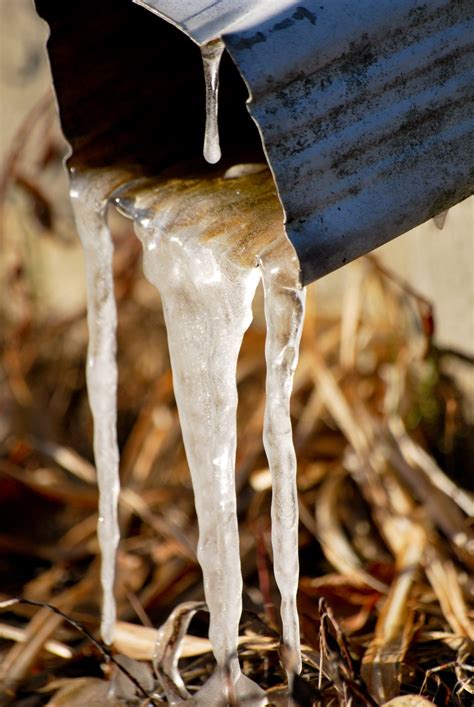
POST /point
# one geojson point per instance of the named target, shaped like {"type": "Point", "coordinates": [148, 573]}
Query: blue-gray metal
{"type": "Point", "coordinates": [203, 20]}
{"type": "Point", "coordinates": [365, 110]}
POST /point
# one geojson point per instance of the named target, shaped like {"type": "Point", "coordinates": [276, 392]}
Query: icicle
{"type": "Point", "coordinates": [201, 240]}
{"type": "Point", "coordinates": [284, 313]}
{"type": "Point", "coordinates": [207, 307]}
{"type": "Point", "coordinates": [440, 219]}
{"type": "Point", "coordinates": [211, 56]}
{"type": "Point", "coordinates": [207, 280]}
{"type": "Point", "coordinates": [89, 200]}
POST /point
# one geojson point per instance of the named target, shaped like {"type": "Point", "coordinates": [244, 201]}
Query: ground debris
{"type": "Point", "coordinates": [386, 538]}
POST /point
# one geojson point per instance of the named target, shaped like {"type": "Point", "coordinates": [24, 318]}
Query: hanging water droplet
{"type": "Point", "coordinates": [211, 56]}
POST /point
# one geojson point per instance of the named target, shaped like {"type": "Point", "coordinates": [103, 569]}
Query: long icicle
{"type": "Point", "coordinates": [284, 314]}
{"type": "Point", "coordinates": [89, 200]}
{"type": "Point", "coordinates": [207, 284]}
{"type": "Point", "coordinates": [207, 310]}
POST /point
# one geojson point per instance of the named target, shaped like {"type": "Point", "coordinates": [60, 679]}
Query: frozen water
{"type": "Point", "coordinates": [284, 314]}
{"type": "Point", "coordinates": [89, 194]}
{"type": "Point", "coordinates": [202, 240]}
{"type": "Point", "coordinates": [211, 57]}
{"type": "Point", "coordinates": [207, 306]}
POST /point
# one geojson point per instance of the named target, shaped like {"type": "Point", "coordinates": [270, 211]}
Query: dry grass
{"type": "Point", "coordinates": [386, 542]}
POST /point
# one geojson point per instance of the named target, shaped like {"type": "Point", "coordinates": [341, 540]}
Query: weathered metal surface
{"type": "Point", "coordinates": [365, 109]}
{"type": "Point", "coordinates": [204, 20]}
{"type": "Point", "coordinates": [367, 118]}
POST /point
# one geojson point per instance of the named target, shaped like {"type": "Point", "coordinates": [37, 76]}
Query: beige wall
{"type": "Point", "coordinates": [440, 264]}
{"type": "Point", "coordinates": [24, 73]}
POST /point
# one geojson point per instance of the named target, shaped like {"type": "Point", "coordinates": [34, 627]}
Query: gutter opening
{"type": "Point", "coordinates": [132, 97]}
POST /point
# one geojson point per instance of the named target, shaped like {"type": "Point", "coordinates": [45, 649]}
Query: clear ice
{"type": "Point", "coordinates": [202, 240]}
{"type": "Point", "coordinates": [211, 57]}
{"type": "Point", "coordinates": [206, 243]}
{"type": "Point", "coordinates": [89, 198]}
{"type": "Point", "coordinates": [284, 314]}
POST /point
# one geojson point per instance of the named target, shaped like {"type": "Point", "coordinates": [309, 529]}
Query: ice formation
{"type": "Point", "coordinates": [211, 57]}
{"type": "Point", "coordinates": [206, 243]}
{"type": "Point", "coordinates": [202, 240]}
{"type": "Point", "coordinates": [89, 198]}
{"type": "Point", "coordinates": [284, 314]}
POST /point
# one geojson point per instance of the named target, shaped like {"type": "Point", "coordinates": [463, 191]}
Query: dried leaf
{"type": "Point", "coordinates": [77, 692]}
{"type": "Point", "coordinates": [381, 665]}
{"type": "Point", "coordinates": [445, 583]}
{"type": "Point", "coordinates": [408, 701]}
{"type": "Point", "coordinates": [332, 537]}
{"type": "Point", "coordinates": [139, 642]}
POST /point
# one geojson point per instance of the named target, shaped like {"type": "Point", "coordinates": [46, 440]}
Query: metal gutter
{"type": "Point", "coordinates": [365, 110]}
{"type": "Point", "coordinates": [367, 118]}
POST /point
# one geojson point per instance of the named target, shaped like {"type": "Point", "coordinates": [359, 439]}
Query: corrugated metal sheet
{"type": "Point", "coordinates": [365, 110]}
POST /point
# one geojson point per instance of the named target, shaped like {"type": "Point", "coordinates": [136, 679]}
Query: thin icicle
{"type": "Point", "coordinates": [211, 57]}
{"type": "Point", "coordinates": [89, 200]}
{"type": "Point", "coordinates": [440, 219]}
{"type": "Point", "coordinates": [284, 314]}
